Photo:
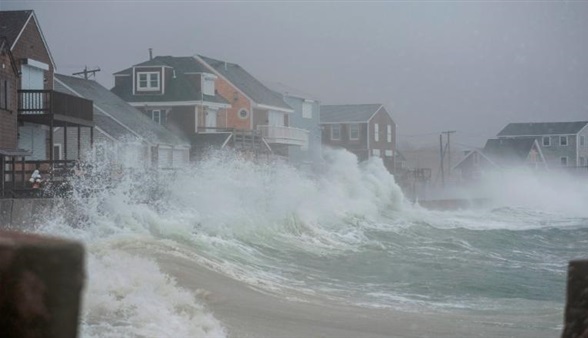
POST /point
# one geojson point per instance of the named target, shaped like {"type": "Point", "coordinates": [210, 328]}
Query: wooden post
{"type": "Point", "coordinates": [576, 312]}
{"type": "Point", "coordinates": [41, 279]}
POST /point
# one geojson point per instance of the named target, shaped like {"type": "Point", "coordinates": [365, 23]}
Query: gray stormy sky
{"type": "Point", "coordinates": [469, 66]}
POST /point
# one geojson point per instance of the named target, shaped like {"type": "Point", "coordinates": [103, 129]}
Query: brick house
{"type": "Point", "coordinates": [564, 144]}
{"type": "Point", "coordinates": [366, 130]}
{"type": "Point", "coordinates": [29, 100]}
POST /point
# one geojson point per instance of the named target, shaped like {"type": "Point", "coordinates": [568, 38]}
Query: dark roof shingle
{"type": "Point", "coordinates": [509, 150]}
{"type": "Point", "coordinates": [248, 84]}
{"type": "Point", "coordinates": [348, 112]}
{"type": "Point", "coordinates": [542, 128]}
{"type": "Point", "coordinates": [12, 23]}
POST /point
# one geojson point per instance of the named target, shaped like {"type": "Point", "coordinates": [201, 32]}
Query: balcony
{"type": "Point", "coordinates": [284, 135]}
{"type": "Point", "coordinates": [53, 108]}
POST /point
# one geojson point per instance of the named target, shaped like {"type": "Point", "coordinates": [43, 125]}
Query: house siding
{"type": "Point", "coordinates": [8, 116]}
{"type": "Point", "coordinates": [583, 149]}
{"type": "Point", "coordinates": [30, 45]}
{"type": "Point", "coordinates": [229, 118]}
{"type": "Point", "coordinates": [313, 152]}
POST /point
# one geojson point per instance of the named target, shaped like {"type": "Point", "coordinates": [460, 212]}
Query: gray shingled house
{"type": "Point", "coordinates": [364, 129]}
{"type": "Point", "coordinates": [564, 144]}
{"type": "Point", "coordinates": [122, 133]}
{"type": "Point", "coordinates": [497, 154]}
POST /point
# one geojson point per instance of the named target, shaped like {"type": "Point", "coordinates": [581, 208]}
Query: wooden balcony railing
{"type": "Point", "coordinates": [284, 135]}
{"type": "Point", "coordinates": [49, 102]}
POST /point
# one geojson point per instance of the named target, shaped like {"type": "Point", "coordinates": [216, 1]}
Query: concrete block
{"type": "Point", "coordinates": [41, 279]}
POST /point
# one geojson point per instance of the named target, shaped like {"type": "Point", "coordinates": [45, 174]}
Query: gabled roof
{"type": "Point", "coordinates": [542, 128]}
{"type": "Point", "coordinates": [13, 23]}
{"type": "Point", "coordinates": [247, 84]}
{"type": "Point", "coordinates": [509, 150]}
{"type": "Point", "coordinates": [116, 117]}
{"type": "Point", "coordinates": [360, 113]}
{"type": "Point", "coordinates": [179, 88]}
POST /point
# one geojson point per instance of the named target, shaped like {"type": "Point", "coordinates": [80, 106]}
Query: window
{"type": "Point", "coordinates": [148, 81]}
{"type": "Point", "coordinates": [156, 116]}
{"type": "Point", "coordinates": [582, 161]}
{"type": "Point", "coordinates": [376, 152]}
{"type": "Point", "coordinates": [335, 132]}
{"type": "Point", "coordinates": [307, 109]}
{"type": "Point", "coordinates": [389, 133]}
{"type": "Point", "coordinates": [3, 94]}
{"type": "Point", "coordinates": [564, 161]}
{"type": "Point", "coordinates": [582, 140]}
{"type": "Point", "coordinates": [243, 114]}
{"type": "Point", "coordinates": [563, 140]}
{"type": "Point", "coordinates": [389, 153]}
{"type": "Point", "coordinates": [546, 141]}
{"type": "Point", "coordinates": [376, 132]}
{"type": "Point", "coordinates": [57, 152]}
{"type": "Point", "coordinates": [354, 131]}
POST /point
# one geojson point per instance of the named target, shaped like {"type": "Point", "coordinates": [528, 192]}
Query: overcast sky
{"type": "Point", "coordinates": [469, 66]}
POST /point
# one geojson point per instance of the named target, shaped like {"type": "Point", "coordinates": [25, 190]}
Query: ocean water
{"type": "Point", "coordinates": [345, 233]}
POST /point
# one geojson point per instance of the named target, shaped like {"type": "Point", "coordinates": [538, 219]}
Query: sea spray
{"type": "Point", "coordinates": [345, 233]}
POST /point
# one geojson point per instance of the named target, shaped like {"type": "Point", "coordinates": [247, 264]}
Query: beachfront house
{"type": "Point", "coordinates": [306, 118]}
{"type": "Point", "coordinates": [123, 135]}
{"type": "Point", "coordinates": [564, 144]}
{"type": "Point", "coordinates": [367, 130]}
{"type": "Point", "coordinates": [30, 109]}
{"type": "Point", "coordinates": [498, 154]}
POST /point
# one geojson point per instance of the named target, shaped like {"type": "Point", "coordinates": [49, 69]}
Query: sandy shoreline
{"type": "Point", "coordinates": [246, 312]}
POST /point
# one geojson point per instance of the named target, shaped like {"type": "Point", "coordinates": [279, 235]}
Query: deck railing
{"type": "Point", "coordinates": [39, 102]}
{"type": "Point", "coordinates": [284, 135]}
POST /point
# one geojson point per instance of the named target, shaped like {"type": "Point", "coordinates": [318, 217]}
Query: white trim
{"type": "Point", "coordinates": [36, 64]}
{"type": "Point", "coordinates": [543, 138]}
{"type": "Point", "coordinates": [206, 74]}
{"type": "Point", "coordinates": [470, 153]}
{"type": "Point", "coordinates": [133, 75]}
{"type": "Point", "coordinates": [60, 150]}
{"type": "Point", "coordinates": [567, 161]}
{"type": "Point", "coordinates": [115, 75]}
{"type": "Point", "coordinates": [567, 141]}
{"type": "Point", "coordinates": [162, 79]}
{"type": "Point", "coordinates": [331, 134]}
{"type": "Point", "coordinates": [265, 106]}
{"type": "Point", "coordinates": [180, 103]}
{"type": "Point", "coordinates": [34, 16]}
{"type": "Point", "coordinates": [148, 80]}
{"type": "Point", "coordinates": [374, 114]}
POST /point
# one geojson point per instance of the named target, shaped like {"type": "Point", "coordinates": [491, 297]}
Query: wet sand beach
{"type": "Point", "coordinates": [247, 312]}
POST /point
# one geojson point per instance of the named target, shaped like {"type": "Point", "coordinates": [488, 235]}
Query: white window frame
{"type": "Point", "coordinates": [148, 86]}
{"type": "Point", "coordinates": [564, 159]}
{"type": "Point", "coordinates": [338, 128]}
{"type": "Point", "coordinates": [561, 138]}
{"type": "Point", "coordinates": [245, 116]}
{"type": "Point", "coordinates": [159, 113]}
{"type": "Point", "coordinates": [582, 161]}
{"type": "Point", "coordinates": [389, 153]}
{"type": "Point", "coordinates": [548, 139]}
{"type": "Point", "coordinates": [582, 140]}
{"type": "Point", "coordinates": [376, 153]}
{"type": "Point", "coordinates": [59, 152]}
{"type": "Point", "coordinates": [389, 133]}
{"type": "Point", "coordinates": [351, 138]}
{"type": "Point", "coordinates": [376, 132]}
{"type": "Point", "coordinates": [307, 109]}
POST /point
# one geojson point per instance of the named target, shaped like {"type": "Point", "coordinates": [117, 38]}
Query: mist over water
{"type": "Point", "coordinates": [344, 234]}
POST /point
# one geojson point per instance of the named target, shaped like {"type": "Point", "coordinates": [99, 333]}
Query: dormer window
{"type": "Point", "coordinates": [148, 81]}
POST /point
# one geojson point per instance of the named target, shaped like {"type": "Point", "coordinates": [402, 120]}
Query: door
{"type": "Point", "coordinates": [210, 120]}
{"type": "Point", "coordinates": [32, 137]}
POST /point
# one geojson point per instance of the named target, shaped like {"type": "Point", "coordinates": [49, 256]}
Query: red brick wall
{"type": "Point", "coordinates": [30, 45]}
{"type": "Point", "coordinates": [229, 118]}
{"type": "Point", "coordinates": [8, 121]}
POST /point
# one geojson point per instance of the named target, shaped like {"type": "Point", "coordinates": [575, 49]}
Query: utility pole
{"type": "Point", "coordinates": [441, 156]}
{"type": "Point", "coordinates": [87, 72]}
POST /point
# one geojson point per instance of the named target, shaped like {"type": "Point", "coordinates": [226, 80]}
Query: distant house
{"type": "Point", "coordinates": [123, 134]}
{"type": "Point", "coordinates": [306, 117]}
{"type": "Point", "coordinates": [29, 107]}
{"type": "Point", "coordinates": [524, 152]}
{"type": "Point", "coordinates": [564, 144]}
{"type": "Point", "coordinates": [364, 129]}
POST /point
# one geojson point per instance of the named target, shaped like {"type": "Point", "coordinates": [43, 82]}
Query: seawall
{"type": "Point", "coordinates": [29, 213]}
{"type": "Point", "coordinates": [454, 203]}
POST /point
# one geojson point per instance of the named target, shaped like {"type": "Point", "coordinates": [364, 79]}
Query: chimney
{"type": "Point", "coordinates": [150, 53]}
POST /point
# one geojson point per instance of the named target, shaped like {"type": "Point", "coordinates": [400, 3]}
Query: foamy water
{"type": "Point", "coordinates": [346, 233]}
